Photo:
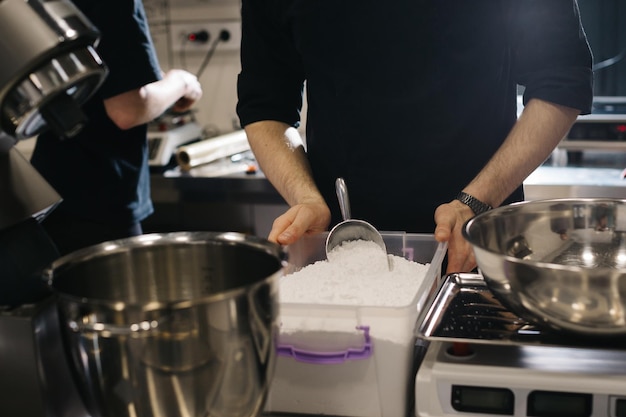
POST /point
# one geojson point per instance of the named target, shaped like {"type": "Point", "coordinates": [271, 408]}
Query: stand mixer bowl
{"type": "Point", "coordinates": [560, 263]}
{"type": "Point", "coordinates": [178, 324]}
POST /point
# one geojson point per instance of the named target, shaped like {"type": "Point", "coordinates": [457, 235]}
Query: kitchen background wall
{"type": "Point", "coordinates": [169, 20]}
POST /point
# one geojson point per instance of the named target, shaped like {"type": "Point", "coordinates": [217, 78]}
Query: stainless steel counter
{"type": "Point", "coordinates": [214, 198]}
{"type": "Point", "coordinates": [225, 196]}
{"type": "Point", "coordinates": [202, 185]}
{"type": "Point", "coordinates": [563, 182]}
{"type": "Point", "coordinates": [240, 187]}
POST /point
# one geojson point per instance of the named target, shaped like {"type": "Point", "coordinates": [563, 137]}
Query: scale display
{"type": "Point", "coordinates": [487, 400]}
{"type": "Point", "coordinates": [501, 401]}
{"type": "Point", "coordinates": [557, 404]}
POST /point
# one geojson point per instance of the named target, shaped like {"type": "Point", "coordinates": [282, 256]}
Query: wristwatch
{"type": "Point", "coordinates": [472, 202]}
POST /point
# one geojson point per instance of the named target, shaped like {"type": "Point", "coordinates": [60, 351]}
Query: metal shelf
{"type": "Point", "coordinates": [586, 145]}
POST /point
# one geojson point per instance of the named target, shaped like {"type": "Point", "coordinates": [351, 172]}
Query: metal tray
{"type": "Point", "coordinates": [464, 310]}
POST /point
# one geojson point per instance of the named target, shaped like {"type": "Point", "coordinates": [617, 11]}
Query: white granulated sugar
{"type": "Point", "coordinates": [356, 273]}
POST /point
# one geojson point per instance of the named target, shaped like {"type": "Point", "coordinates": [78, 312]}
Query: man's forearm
{"type": "Point", "coordinates": [142, 105]}
{"type": "Point", "coordinates": [283, 161]}
{"type": "Point", "coordinates": [539, 129]}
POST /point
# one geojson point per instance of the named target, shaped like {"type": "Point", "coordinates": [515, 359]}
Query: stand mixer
{"type": "Point", "coordinates": [49, 69]}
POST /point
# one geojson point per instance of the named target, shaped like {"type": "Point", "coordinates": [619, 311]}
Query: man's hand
{"type": "Point", "coordinates": [300, 220]}
{"type": "Point", "coordinates": [450, 218]}
{"type": "Point", "coordinates": [192, 92]}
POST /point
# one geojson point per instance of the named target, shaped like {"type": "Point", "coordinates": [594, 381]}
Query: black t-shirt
{"type": "Point", "coordinates": [103, 173]}
{"type": "Point", "coordinates": [407, 100]}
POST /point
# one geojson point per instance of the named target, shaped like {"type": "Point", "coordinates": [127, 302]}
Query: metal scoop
{"type": "Point", "coordinates": [351, 229]}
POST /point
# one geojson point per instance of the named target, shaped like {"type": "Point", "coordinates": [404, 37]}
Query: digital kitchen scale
{"type": "Point", "coordinates": [520, 381]}
{"type": "Point", "coordinates": [169, 131]}
{"type": "Point", "coordinates": [483, 360]}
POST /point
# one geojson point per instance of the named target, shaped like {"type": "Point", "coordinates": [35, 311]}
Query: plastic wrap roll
{"type": "Point", "coordinates": [209, 150]}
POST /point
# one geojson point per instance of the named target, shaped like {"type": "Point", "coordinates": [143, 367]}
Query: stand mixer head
{"type": "Point", "coordinates": [49, 69]}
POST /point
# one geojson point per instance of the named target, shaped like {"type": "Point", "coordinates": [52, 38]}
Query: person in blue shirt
{"type": "Point", "coordinates": [413, 103]}
{"type": "Point", "coordinates": [102, 173]}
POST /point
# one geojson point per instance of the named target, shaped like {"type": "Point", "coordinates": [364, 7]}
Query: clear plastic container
{"type": "Point", "coordinates": [347, 360]}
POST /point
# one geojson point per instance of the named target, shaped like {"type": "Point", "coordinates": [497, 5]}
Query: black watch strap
{"type": "Point", "coordinates": [475, 204]}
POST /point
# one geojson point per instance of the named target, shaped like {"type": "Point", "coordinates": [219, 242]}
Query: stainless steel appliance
{"type": "Point", "coordinates": [484, 360]}
{"type": "Point", "coordinates": [49, 68]}
{"type": "Point", "coordinates": [601, 132]}
{"type": "Point", "coordinates": [167, 133]}
{"type": "Point", "coordinates": [179, 324]}
{"type": "Point", "coordinates": [603, 129]}
{"type": "Point", "coordinates": [559, 262]}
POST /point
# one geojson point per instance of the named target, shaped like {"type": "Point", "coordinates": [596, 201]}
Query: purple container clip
{"type": "Point", "coordinates": [326, 358]}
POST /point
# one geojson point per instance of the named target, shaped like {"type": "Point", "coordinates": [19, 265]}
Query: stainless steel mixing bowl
{"type": "Point", "coordinates": [560, 263]}
{"type": "Point", "coordinates": [178, 324]}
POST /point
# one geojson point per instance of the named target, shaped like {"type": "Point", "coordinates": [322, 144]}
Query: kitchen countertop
{"type": "Point", "coordinates": [211, 197]}
{"type": "Point", "coordinates": [233, 183]}
{"type": "Point", "coordinates": [206, 184]}
{"type": "Point", "coordinates": [580, 182]}
{"type": "Point", "coordinates": [595, 174]}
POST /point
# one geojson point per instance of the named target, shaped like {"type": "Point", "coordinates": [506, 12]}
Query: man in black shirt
{"type": "Point", "coordinates": [102, 173]}
{"type": "Point", "coordinates": [412, 102]}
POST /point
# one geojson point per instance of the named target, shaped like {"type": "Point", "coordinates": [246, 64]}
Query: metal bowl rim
{"type": "Point", "coordinates": [544, 265]}
{"type": "Point", "coordinates": [57, 267]}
